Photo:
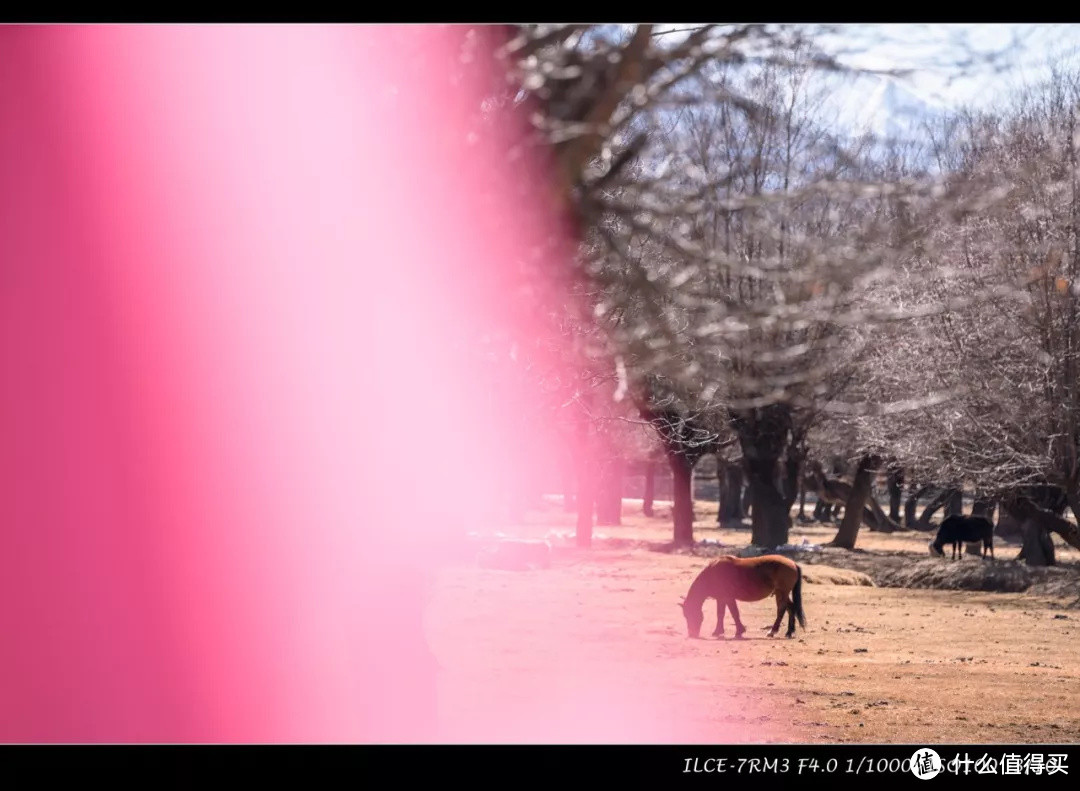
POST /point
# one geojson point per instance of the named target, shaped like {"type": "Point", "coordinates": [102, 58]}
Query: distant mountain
{"type": "Point", "coordinates": [885, 107]}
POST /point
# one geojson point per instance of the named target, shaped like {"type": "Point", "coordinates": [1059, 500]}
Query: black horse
{"type": "Point", "coordinates": [957, 530]}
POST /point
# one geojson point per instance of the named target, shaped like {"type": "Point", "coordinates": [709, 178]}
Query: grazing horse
{"type": "Point", "coordinates": [747, 579]}
{"type": "Point", "coordinates": [957, 530]}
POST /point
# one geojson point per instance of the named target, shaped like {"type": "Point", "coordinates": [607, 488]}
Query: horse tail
{"type": "Point", "coordinates": [796, 597]}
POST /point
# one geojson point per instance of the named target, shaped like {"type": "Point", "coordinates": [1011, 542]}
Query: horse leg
{"type": "Point", "coordinates": [781, 607]}
{"type": "Point", "coordinates": [791, 616]}
{"type": "Point", "coordinates": [739, 628]}
{"type": "Point", "coordinates": [719, 630]}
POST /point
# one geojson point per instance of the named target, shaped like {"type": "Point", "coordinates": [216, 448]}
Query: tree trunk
{"type": "Point", "coordinates": [740, 498]}
{"type": "Point", "coordinates": [609, 494]}
{"type": "Point", "coordinates": [1034, 520]}
{"type": "Point", "coordinates": [1038, 548]}
{"type": "Point", "coordinates": [721, 487]}
{"type": "Point", "coordinates": [853, 509]}
{"type": "Point", "coordinates": [763, 435]}
{"type": "Point", "coordinates": [923, 522]}
{"type": "Point", "coordinates": [746, 501]}
{"type": "Point", "coordinates": [790, 486]}
{"type": "Point", "coordinates": [984, 507]}
{"type": "Point", "coordinates": [731, 496]}
{"type": "Point", "coordinates": [1072, 502]}
{"type": "Point", "coordinates": [911, 506]}
{"type": "Point", "coordinates": [682, 470]}
{"type": "Point", "coordinates": [896, 493]}
{"type": "Point", "coordinates": [650, 487]}
{"type": "Point", "coordinates": [770, 513]}
{"type": "Point", "coordinates": [1050, 498]}
{"type": "Point", "coordinates": [1009, 527]}
{"type": "Point", "coordinates": [954, 503]}
{"type": "Point", "coordinates": [585, 505]}
{"type": "Point", "coordinates": [586, 487]}
{"type": "Point", "coordinates": [802, 503]}
{"type": "Point", "coordinates": [876, 519]}
{"type": "Point", "coordinates": [682, 455]}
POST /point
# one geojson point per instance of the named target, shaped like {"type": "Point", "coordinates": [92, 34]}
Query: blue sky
{"type": "Point", "coordinates": [949, 66]}
{"type": "Point", "coordinates": [937, 54]}
{"type": "Point", "coordinates": [953, 64]}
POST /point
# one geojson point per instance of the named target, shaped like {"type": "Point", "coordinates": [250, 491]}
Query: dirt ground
{"type": "Point", "coordinates": [534, 655]}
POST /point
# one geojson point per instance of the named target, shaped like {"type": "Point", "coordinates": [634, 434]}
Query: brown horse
{"type": "Point", "coordinates": [747, 579]}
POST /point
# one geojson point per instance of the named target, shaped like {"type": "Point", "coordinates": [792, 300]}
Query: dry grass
{"type": "Point", "coordinates": [935, 661]}
{"type": "Point", "coordinates": [828, 575]}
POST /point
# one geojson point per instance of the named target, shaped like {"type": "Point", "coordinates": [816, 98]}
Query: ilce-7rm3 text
{"type": "Point", "coordinates": [799, 766]}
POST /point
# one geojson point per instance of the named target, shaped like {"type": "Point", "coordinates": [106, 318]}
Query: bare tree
{"type": "Point", "coordinates": [732, 248]}
{"type": "Point", "coordinates": [1010, 431]}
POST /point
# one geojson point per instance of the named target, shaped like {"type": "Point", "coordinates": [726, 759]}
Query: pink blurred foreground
{"type": "Point", "coordinates": [239, 266]}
